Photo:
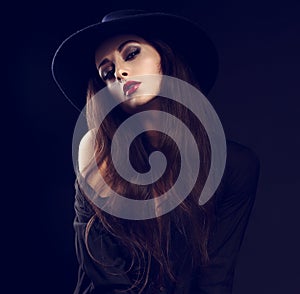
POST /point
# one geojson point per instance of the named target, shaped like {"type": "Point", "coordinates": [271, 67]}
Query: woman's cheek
{"type": "Point", "coordinates": [150, 85]}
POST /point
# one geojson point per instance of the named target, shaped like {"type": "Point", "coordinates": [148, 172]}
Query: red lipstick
{"type": "Point", "coordinates": [130, 87]}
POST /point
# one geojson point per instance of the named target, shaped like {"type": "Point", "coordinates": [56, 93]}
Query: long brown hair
{"type": "Point", "coordinates": [150, 241]}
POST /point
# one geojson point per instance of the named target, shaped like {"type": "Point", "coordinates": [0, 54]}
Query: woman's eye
{"type": "Point", "coordinates": [108, 74]}
{"type": "Point", "coordinates": [132, 54]}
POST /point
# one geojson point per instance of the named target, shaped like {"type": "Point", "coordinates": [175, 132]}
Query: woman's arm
{"type": "Point", "coordinates": [94, 277]}
{"type": "Point", "coordinates": [234, 202]}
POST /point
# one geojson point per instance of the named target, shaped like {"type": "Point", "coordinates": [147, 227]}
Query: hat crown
{"type": "Point", "coordinates": [119, 14]}
{"type": "Point", "coordinates": [177, 31]}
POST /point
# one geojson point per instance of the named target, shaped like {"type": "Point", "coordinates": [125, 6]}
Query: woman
{"type": "Point", "coordinates": [187, 247]}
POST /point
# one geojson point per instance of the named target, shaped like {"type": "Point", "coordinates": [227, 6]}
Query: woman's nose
{"type": "Point", "coordinates": [121, 74]}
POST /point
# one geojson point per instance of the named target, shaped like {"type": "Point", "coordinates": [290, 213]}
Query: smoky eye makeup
{"type": "Point", "coordinates": [131, 52]}
{"type": "Point", "coordinates": [107, 72]}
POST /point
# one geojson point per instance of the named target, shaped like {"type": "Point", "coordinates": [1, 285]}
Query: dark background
{"type": "Point", "coordinates": [256, 96]}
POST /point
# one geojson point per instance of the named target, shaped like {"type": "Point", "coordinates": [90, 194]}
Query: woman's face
{"type": "Point", "coordinates": [131, 69]}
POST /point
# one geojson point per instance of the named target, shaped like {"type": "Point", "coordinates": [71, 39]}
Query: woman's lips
{"type": "Point", "coordinates": [130, 87]}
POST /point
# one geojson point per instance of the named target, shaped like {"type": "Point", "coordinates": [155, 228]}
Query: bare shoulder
{"type": "Point", "coordinates": [86, 150]}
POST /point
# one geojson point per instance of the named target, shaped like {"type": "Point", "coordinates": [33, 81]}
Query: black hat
{"type": "Point", "coordinates": [74, 61]}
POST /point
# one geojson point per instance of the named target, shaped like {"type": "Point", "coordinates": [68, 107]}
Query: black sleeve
{"type": "Point", "coordinates": [233, 204]}
{"type": "Point", "coordinates": [94, 277]}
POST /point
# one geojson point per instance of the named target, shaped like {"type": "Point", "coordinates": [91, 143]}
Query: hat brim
{"type": "Point", "coordinates": [73, 63]}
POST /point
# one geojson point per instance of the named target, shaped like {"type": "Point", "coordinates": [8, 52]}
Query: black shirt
{"type": "Point", "coordinates": [233, 202]}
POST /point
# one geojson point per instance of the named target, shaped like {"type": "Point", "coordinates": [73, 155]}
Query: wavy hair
{"type": "Point", "coordinates": [151, 242]}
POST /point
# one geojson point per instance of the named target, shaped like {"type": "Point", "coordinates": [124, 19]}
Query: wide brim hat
{"type": "Point", "coordinates": [73, 63]}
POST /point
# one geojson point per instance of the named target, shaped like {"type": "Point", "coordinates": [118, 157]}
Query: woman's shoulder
{"type": "Point", "coordinates": [86, 155]}
{"type": "Point", "coordinates": [86, 150]}
{"type": "Point", "coordinates": [242, 165]}
{"type": "Point", "coordinates": [240, 155]}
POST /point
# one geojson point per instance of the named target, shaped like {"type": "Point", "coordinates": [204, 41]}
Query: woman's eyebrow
{"type": "Point", "coordinates": [105, 60]}
{"type": "Point", "coordinates": [124, 43]}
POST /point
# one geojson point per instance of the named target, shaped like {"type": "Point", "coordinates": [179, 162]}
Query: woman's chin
{"type": "Point", "coordinates": [136, 103]}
